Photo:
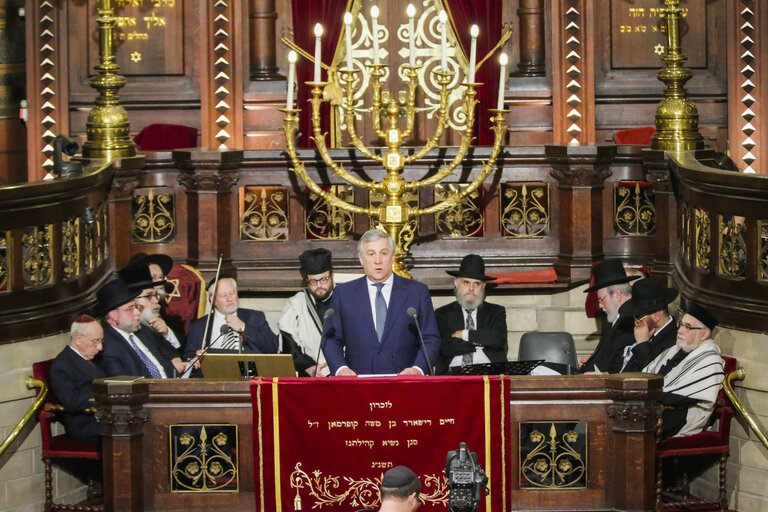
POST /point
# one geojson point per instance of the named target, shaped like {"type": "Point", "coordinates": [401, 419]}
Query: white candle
{"type": "Point", "coordinates": [291, 79]}
{"type": "Point", "coordinates": [443, 41]}
{"type": "Point", "coordinates": [474, 31]}
{"type": "Point", "coordinates": [411, 12]}
{"type": "Point", "coordinates": [502, 81]}
{"type": "Point", "coordinates": [318, 39]}
{"type": "Point", "coordinates": [375, 33]}
{"type": "Point", "coordinates": [348, 37]}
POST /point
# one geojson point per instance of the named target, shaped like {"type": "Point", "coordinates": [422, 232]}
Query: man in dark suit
{"type": "Point", "coordinates": [654, 330]}
{"type": "Point", "coordinates": [472, 330]}
{"type": "Point", "coordinates": [373, 330]}
{"type": "Point", "coordinates": [129, 348]}
{"type": "Point", "coordinates": [613, 290]}
{"type": "Point", "coordinates": [231, 326]}
{"type": "Point", "coordinates": [72, 375]}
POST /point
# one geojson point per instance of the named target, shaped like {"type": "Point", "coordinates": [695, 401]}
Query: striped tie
{"type": "Point", "coordinates": [153, 370]}
{"type": "Point", "coordinates": [466, 359]}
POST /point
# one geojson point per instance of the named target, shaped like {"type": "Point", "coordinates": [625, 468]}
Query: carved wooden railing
{"type": "Point", "coordinates": [54, 251]}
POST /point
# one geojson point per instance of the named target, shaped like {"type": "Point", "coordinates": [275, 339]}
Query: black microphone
{"type": "Point", "coordinates": [415, 314]}
{"type": "Point", "coordinates": [225, 329]}
{"type": "Point", "coordinates": [328, 314]}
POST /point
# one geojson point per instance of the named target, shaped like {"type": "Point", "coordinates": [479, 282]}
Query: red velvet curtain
{"type": "Point", "coordinates": [306, 13]}
{"type": "Point", "coordinates": [486, 14]}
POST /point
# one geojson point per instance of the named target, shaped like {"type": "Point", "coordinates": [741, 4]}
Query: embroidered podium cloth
{"type": "Point", "coordinates": [324, 444]}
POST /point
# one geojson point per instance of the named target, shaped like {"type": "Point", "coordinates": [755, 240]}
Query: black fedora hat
{"type": "Point", "coordinates": [472, 267]}
{"type": "Point", "coordinates": [698, 311]}
{"type": "Point", "coordinates": [648, 296]}
{"type": "Point", "coordinates": [113, 295]}
{"type": "Point", "coordinates": [136, 273]}
{"type": "Point", "coordinates": [608, 273]}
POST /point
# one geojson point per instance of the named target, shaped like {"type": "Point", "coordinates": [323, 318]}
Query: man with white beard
{"type": "Point", "coordinates": [472, 331]}
{"type": "Point", "coordinates": [693, 374]}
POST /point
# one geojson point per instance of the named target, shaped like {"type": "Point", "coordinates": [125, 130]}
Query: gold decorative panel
{"type": "Point", "coordinates": [411, 198]}
{"type": "Point", "coordinates": [154, 215]}
{"type": "Point", "coordinates": [203, 458]}
{"type": "Point", "coordinates": [685, 232]}
{"type": "Point", "coordinates": [762, 272]}
{"type": "Point", "coordinates": [95, 239]}
{"type": "Point", "coordinates": [703, 244]}
{"type": "Point", "coordinates": [634, 213]}
{"type": "Point", "coordinates": [553, 460]}
{"type": "Point", "coordinates": [263, 213]}
{"type": "Point", "coordinates": [70, 248]}
{"type": "Point", "coordinates": [524, 209]}
{"type": "Point", "coordinates": [324, 221]}
{"type": "Point", "coordinates": [37, 255]}
{"type": "Point", "coordinates": [5, 269]}
{"type": "Point", "coordinates": [732, 259]}
{"type": "Point", "coordinates": [463, 221]}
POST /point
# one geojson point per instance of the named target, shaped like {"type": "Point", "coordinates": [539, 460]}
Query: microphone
{"type": "Point", "coordinates": [328, 314]}
{"type": "Point", "coordinates": [415, 314]}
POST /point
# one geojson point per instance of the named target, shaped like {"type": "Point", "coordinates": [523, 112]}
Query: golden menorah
{"type": "Point", "coordinates": [393, 214]}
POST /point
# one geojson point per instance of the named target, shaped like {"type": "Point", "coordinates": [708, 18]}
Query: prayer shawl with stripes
{"type": "Point", "coordinates": [690, 387]}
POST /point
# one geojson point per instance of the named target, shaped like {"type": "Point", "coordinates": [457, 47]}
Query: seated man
{"type": "Point", "coordinates": [693, 374]}
{"type": "Point", "coordinates": [72, 375]}
{"type": "Point", "coordinates": [613, 290]}
{"type": "Point", "coordinates": [654, 330]}
{"type": "Point", "coordinates": [473, 331]}
{"type": "Point", "coordinates": [230, 328]}
{"type": "Point", "coordinates": [129, 349]}
{"type": "Point", "coordinates": [302, 319]}
{"type": "Point", "coordinates": [374, 330]}
{"type": "Point", "coordinates": [399, 491]}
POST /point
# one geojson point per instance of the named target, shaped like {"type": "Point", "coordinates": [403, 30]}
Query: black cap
{"type": "Point", "coordinates": [472, 267]}
{"type": "Point", "coordinates": [701, 314]}
{"type": "Point", "coordinates": [608, 273]}
{"type": "Point", "coordinates": [315, 261]}
{"type": "Point", "coordinates": [136, 273]}
{"type": "Point", "coordinates": [398, 477]}
{"type": "Point", "coordinates": [648, 296]}
{"type": "Point", "coordinates": [113, 295]}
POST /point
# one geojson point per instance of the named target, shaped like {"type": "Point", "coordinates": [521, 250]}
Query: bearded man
{"type": "Point", "coordinates": [472, 331]}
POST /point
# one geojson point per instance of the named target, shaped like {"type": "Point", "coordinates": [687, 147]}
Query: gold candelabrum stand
{"type": "Point", "coordinates": [677, 119]}
{"type": "Point", "coordinates": [394, 214]}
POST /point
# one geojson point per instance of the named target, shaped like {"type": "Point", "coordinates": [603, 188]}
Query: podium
{"type": "Point", "coordinates": [181, 445]}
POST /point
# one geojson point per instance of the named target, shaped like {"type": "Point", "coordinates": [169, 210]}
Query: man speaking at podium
{"type": "Point", "coordinates": [373, 329]}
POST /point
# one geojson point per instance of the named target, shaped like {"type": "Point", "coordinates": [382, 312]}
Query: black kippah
{"type": "Point", "coordinates": [398, 477]}
{"type": "Point", "coordinates": [315, 261]}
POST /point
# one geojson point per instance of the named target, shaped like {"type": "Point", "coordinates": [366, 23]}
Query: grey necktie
{"type": "Point", "coordinates": [466, 359]}
{"type": "Point", "coordinates": [153, 370]}
{"type": "Point", "coordinates": [381, 311]}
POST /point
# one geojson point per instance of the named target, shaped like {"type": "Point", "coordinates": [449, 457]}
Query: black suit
{"type": "Point", "coordinates": [119, 358]}
{"type": "Point", "coordinates": [608, 356]}
{"type": "Point", "coordinates": [644, 353]}
{"type": "Point", "coordinates": [71, 381]}
{"type": "Point", "coordinates": [258, 338]}
{"type": "Point", "coordinates": [491, 333]}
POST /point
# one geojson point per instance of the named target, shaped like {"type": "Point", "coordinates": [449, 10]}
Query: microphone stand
{"type": "Point", "coordinates": [328, 314]}
{"type": "Point", "coordinates": [414, 314]}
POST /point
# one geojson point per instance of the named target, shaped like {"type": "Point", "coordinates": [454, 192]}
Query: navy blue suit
{"type": "Point", "coordinates": [119, 358]}
{"type": "Point", "coordinates": [258, 338]}
{"type": "Point", "coordinates": [349, 337]}
{"type": "Point", "coordinates": [72, 382]}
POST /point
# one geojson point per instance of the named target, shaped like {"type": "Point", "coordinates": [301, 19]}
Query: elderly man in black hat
{"type": "Point", "coordinates": [693, 374]}
{"type": "Point", "coordinates": [613, 290]}
{"type": "Point", "coordinates": [129, 349]}
{"type": "Point", "coordinates": [654, 329]}
{"type": "Point", "coordinates": [399, 491]}
{"type": "Point", "coordinates": [473, 331]}
{"type": "Point", "coordinates": [302, 319]}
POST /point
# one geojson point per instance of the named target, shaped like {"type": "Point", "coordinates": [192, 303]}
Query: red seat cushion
{"type": "Point", "coordinates": [635, 136]}
{"type": "Point", "coordinates": [165, 137]}
{"type": "Point", "coordinates": [64, 446]}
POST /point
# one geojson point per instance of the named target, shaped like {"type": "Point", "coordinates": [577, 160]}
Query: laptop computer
{"type": "Point", "coordinates": [246, 366]}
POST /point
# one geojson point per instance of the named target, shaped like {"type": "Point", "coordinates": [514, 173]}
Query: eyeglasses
{"type": "Point", "coordinates": [688, 328]}
{"type": "Point", "coordinates": [321, 280]}
{"type": "Point", "coordinates": [128, 309]}
{"type": "Point", "coordinates": [150, 296]}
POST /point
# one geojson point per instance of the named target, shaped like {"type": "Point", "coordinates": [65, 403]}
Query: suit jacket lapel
{"type": "Point", "coordinates": [361, 290]}
{"type": "Point", "coordinates": [395, 306]}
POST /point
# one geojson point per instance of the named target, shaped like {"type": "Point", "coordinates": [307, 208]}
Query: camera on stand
{"type": "Point", "coordinates": [466, 480]}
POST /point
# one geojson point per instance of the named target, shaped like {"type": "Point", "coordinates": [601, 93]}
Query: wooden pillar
{"type": "Point", "coordinates": [122, 415]}
{"type": "Point", "coordinates": [532, 48]}
{"type": "Point", "coordinates": [208, 177]}
{"type": "Point", "coordinates": [657, 173]}
{"type": "Point", "coordinates": [634, 414]}
{"type": "Point", "coordinates": [120, 209]}
{"type": "Point", "coordinates": [262, 17]}
{"type": "Point", "coordinates": [580, 172]}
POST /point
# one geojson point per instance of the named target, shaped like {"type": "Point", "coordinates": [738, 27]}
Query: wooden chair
{"type": "Point", "coordinates": [708, 442]}
{"type": "Point", "coordinates": [61, 447]}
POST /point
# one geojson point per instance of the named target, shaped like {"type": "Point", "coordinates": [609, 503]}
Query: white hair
{"type": "Point", "coordinates": [371, 236]}
{"type": "Point", "coordinates": [210, 288]}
